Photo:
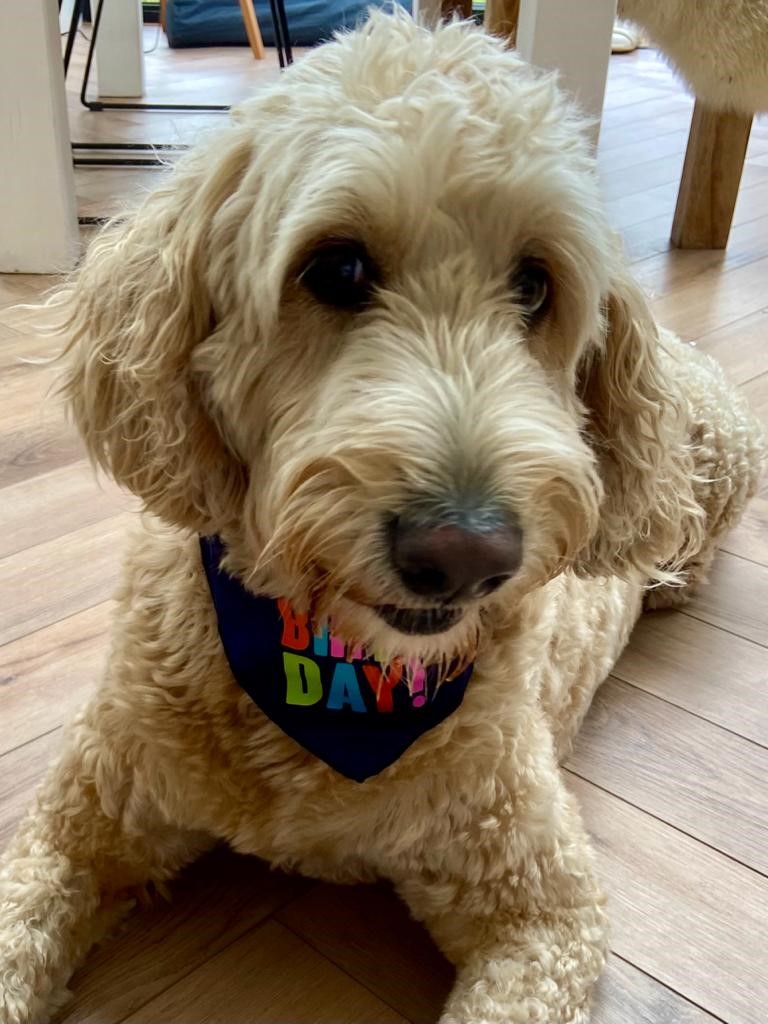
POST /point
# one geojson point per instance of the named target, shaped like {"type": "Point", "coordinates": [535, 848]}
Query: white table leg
{"type": "Point", "coordinates": [38, 220]}
{"type": "Point", "coordinates": [119, 49]}
{"type": "Point", "coordinates": [574, 37]}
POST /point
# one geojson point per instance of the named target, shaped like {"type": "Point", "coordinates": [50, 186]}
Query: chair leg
{"type": "Point", "coordinates": [163, 9]}
{"type": "Point", "coordinates": [252, 29]}
{"type": "Point", "coordinates": [709, 186]}
{"type": "Point", "coordinates": [501, 17]}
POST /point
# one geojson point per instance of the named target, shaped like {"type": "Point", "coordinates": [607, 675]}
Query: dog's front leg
{"type": "Point", "coordinates": [92, 839]}
{"type": "Point", "coordinates": [513, 902]}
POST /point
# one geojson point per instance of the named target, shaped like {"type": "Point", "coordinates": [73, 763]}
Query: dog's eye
{"type": "Point", "coordinates": [340, 274]}
{"type": "Point", "coordinates": [532, 287]}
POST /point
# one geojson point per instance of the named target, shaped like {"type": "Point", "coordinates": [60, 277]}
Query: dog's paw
{"type": "Point", "coordinates": [519, 1013]}
{"type": "Point", "coordinates": [505, 994]}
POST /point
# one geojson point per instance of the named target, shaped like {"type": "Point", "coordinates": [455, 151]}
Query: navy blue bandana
{"type": "Point", "coordinates": [349, 710]}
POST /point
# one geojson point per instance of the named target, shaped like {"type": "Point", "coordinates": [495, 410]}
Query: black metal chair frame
{"type": "Point", "coordinates": [285, 57]}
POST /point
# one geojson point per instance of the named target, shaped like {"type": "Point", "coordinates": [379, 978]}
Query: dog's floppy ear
{"type": "Point", "coordinates": [136, 309]}
{"type": "Point", "coordinates": [637, 424]}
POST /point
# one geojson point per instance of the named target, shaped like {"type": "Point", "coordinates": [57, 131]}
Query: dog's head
{"type": "Point", "coordinates": [378, 335]}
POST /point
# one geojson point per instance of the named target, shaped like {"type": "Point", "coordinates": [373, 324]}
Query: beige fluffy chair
{"type": "Point", "coordinates": [720, 47]}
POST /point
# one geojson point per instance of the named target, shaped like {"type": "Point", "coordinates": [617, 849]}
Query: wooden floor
{"type": "Point", "coordinates": [672, 764]}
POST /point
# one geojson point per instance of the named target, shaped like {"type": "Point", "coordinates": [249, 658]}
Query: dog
{"type": "Point", "coordinates": [412, 451]}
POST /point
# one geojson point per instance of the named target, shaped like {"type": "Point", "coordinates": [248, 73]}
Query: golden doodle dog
{"type": "Point", "coordinates": [412, 451]}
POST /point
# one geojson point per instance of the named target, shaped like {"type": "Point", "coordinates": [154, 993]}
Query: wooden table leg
{"type": "Point", "coordinates": [501, 18]}
{"type": "Point", "coordinates": [252, 29]}
{"type": "Point", "coordinates": [461, 7]}
{"type": "Point", "coordinates": [714, 160]}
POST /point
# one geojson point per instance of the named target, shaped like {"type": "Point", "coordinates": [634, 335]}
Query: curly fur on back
{"type": "Point", "coordinates": [207, 378]}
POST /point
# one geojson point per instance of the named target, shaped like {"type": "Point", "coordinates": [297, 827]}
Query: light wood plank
{"type": "Point", "coordinates": [18, 348]}
{"type": "Point", "coordinates": [735, 599]}
{"type": "Point", "coordinates": [756, 393]}
{"type": "Point", "coordinates": [681, 912]}
{"type": "Point", "coordinates": [23, 287]}
{"type": "Point", "coordinates": [621, 158]}
{"type": "Point", "coordinates": [741, 347]}
{"type": "Point", "coordinates": [337, 922]}
{"type": "Point", "coordinates": [625, 995]}
{"type": "Point", "coordinates": [621, 185]}
{"type": "Point", "coordinates": [34, 435]}
{"type": "Point", "coordinates": [646, 129]}
{"type": "Point", "coordinates": [648, 237]}
{"type": "Point", "coordinates": [115, 193]}
{"type": "Point", "coordinates": [28, 315]}
{"type": "Point", "coordinates": [676, 104]}
{"type": "Point", "coordinates": [692, 774]}
{"type": "Point", "coordinates": [51, 504]}
{"type": "Point", "coordinates": [214, 902]}
{"type": "Point", "coordinates": [54, 580]}
{"type": "Point", "coordinates": [664, 272]}
{"type": "Point", "coordinates": [267, 975]}
{"type": "Point", "coordinates": [720, 677]}
{"type": "Point", "coordinates": [627, 93]}
{"type": "Point", "coordinates": [36, 446]}
{"type": "Point", "coordinates": [750, 538]}
{"type": "Point", "coordinates": [65, 660]}
{"type": "Point", "coordinates": [714, 299]}
{"type": "Point", "coordinates": [626, 182]}
{"type": "Point", "coordinates": [20, 772]}
{"type": "Point", "coordinates": [644, 206]}
{"type": "Point", "coordinates": [28, 397]}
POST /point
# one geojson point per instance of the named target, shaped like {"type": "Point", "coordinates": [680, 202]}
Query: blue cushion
{"type": "Point", "coordinates": [219, 22]}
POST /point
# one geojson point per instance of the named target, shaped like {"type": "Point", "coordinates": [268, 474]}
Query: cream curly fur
{"type": "Point", "coordinates": [205, 377]}
{"type": "Point", "coordinates": [719, 46]}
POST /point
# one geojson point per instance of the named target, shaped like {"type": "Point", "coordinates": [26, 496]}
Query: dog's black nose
{"type": "Point", "coordinates": [454, 562]}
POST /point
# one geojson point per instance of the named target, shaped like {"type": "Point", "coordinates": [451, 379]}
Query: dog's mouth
{"type": "Point", "coordinates": [419, 621]}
